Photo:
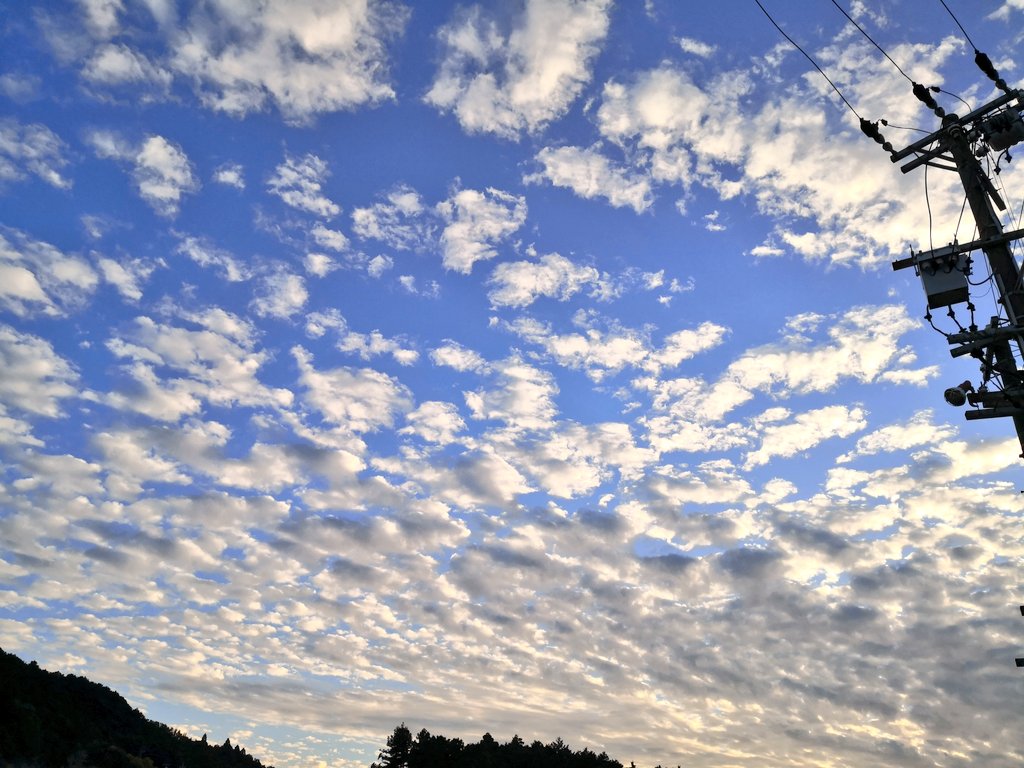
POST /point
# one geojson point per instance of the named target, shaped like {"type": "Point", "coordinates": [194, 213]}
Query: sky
{"type": "Point", "coordinates": [526, 367]}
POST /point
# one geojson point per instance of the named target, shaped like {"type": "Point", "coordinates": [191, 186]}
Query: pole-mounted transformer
{"type": "Point", "coordinates": [944, 272]}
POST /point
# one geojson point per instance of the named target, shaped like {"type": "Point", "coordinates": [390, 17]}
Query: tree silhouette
{"type": "Point", "coordinates": [436, 751]}
{"type": "Point", "coordinates": [396, 753]}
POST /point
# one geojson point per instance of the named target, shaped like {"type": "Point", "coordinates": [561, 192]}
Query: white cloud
{"type": "Point", "coordinates": [475, 222]}
{"type": "Point", "coordinates": [35, 377]}
{"type": "Point", "coordinates": [220, 363]}
{"type": "Point", "coordinates": [805, 431]}
{"type": "Point", "coordinates": [329, 238]}
{"type": "Point", "coordinates": [16, 431]}
{"type": "Point", "coordinates": [162, 172]}
{"type": "Point", "coordinates": [398, 222]}
{"type": "Point", "coordinates": [318, 323]}
{"type": "Point", "coordinates": [356, 399]}
{"type": "Point", "coordinates": [379, 264]}
{"type": "Point", "coordinates": [304, 57]}
{"type": "Point", "coordinates": [206, 255]}
{"type": "Point", "coordinates": [453, 355]}
{"type": "Point", "coordinates": [590, 174]}
{"type": "Point", "coordinates": [711, 223]}
{"type": "Point", "coordinates": [299, 183]}
{"type": "Point", "coordinates": [431, 288]}
{"type": "Point", "coordinates": [20, 87]}
{"type": "Point", "coordinates": [34, 149]}
{"type": "Point", "coordinates": [520, 283]}
{"type": "Point", "coordinates": [282, 295]}
{"type": "Point", "coordinates": [368, 345]}
{"type": "Point", "coordinates": [696, 47]}
{"type": "Point", "coordinates": [481, 478]}
{"type": "Point", "coordinates": [37, 277]}
{"type": "Point", "coordinates": [435, 422]}
{"type": "Point", "coordinates": [507, 82]}
{"type": "Point", "coordinates": [101, 16]}
{"type": "Point", "coordinates": [603, 353]}
{"type": "Point", "coordinates": [917, 431]}
{"type": "Point", "coordinates": [1003, 12]}
{"type": "Point", "coordinates": [662, 120]}
{"type": "Point", "coordinates": [863, 344]}
{"type": "Point", "coordinates": [523, 397]}
{"type": "Point", "coordinates": [365, 345]}
{"type": "Point", "coordinates": [117, 64]}
{"type": "Point", "coordinates": [319, 264]}
{"type": "Point", "coordinates": [661, 112]}
{"type": "Point", "coordinates": [230, 175]}
{"type": "Point", "coordinates": [126, 274]}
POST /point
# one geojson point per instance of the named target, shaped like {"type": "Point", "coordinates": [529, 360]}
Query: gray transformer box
{"type": "Point", "coordinates": [944, 274]}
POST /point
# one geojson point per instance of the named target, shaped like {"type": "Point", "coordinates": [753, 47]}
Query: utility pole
{"type": "Point", "coordinates": [956, 146]}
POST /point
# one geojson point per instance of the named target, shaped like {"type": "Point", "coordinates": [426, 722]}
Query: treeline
{"type": "Point", "coordinates": [51, 720]}
{"type": "Point", "coordinates": [434, 751]}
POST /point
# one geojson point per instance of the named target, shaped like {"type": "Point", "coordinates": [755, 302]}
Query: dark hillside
{"type": "Point", "coordinates": [51, 720]}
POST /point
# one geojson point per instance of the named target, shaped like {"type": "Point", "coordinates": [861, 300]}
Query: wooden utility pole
{"type": "Point", "coordinates": [956, 146]}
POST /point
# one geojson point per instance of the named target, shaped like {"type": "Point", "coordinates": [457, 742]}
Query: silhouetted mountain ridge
{"type": "Point", "coordinates": [52, 720]}
{"type": "Point", "coordinates": [55, 720]}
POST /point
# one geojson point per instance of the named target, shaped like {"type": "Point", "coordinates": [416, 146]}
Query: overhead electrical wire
{"type": "Point", "coordinates": [887, 124]}
{"type": "Point", "coordinates": [808, 57]}
{"type": "Point", "coordinates": [928, 202]}
{"type": "Point", "coordinates": [953, 15]}
{"type": "Point", "coordinates": [871, 40]}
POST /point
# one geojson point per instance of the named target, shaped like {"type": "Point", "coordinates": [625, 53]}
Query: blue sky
{"type": "Point", "coordinates": [529, 367]}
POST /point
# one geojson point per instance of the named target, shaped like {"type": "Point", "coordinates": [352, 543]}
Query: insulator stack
{"type": "Point", "coordinates": [985, 65]}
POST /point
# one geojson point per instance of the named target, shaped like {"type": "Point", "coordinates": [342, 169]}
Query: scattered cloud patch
{"type": "Point", "coordinates": [522, 398]}
{"type": "Point", "coordinates": [511, 80]}
{"type": "Point", "coordinates": [205, 254]}
{"type": "Point", "coordinates": [590, 175]}
{"type": "Point", "coordinates": [453, 355]}
{"type": "Point", "coordinates": [162, 172]}
{"type": "Point", "coordinates": [398, 222]}
{"type": "Point", "coordinates": [36, 379]}
{"type": "Point", "coordinates": [476, 222]}
{"type": "Point", "coordinates": [435, 422]}
{"type": "Point", "coordinates": [126, 275]}
{"type": "Point", "coordinates": [696, 47]}
{"type": "Point", "coordinates": [520, 283]}
{"type": "Point", "coordinates": [356, 399]}
{"type": "Point", "coordinates": [602, 353]}
{"type": "Point", "coordinates": [329, 238]}
{"type": "Point", "coordinates": [37, 277]}
{"type": "Point", "coordinates": [230, 175]}
{"type": "Point", "coordinates": [282, 295]}
{"type": "Point", "coordinates": [303, 58]}
{"type": "Point", "coordinates": [379, 264]}
{"type": "Point", "coordinates": [364, 345]}
{"type": "Point", "coordinates": [31, 149]}
{"type": "Point", "coordinates": [805, 431]}
{"type": "Point", "coordinates": [319, 264]}
{"type": "Point", "coordinates": [299, 184]}
{"type": "Point", "coordinates": [172, 370]}
{"type": "Point", "coordinates": [115, 64]}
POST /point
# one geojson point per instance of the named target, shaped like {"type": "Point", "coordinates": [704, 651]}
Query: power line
{"type": "Point", "coordinates": [968, 37]}
{"type": "Point", "coordinates": [886, 123]}
{"type": "Point", "coordinates": [923, 93]}
{"type": "Point", "coordinates": [871, 40]}
{"type": "Point", "coordinates": [808, 57]}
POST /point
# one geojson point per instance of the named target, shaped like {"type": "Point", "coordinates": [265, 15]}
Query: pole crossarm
{"type": "Point", "coordinates": [970, 117]}
{"type": "Point", "coordinates": [993, 126]}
